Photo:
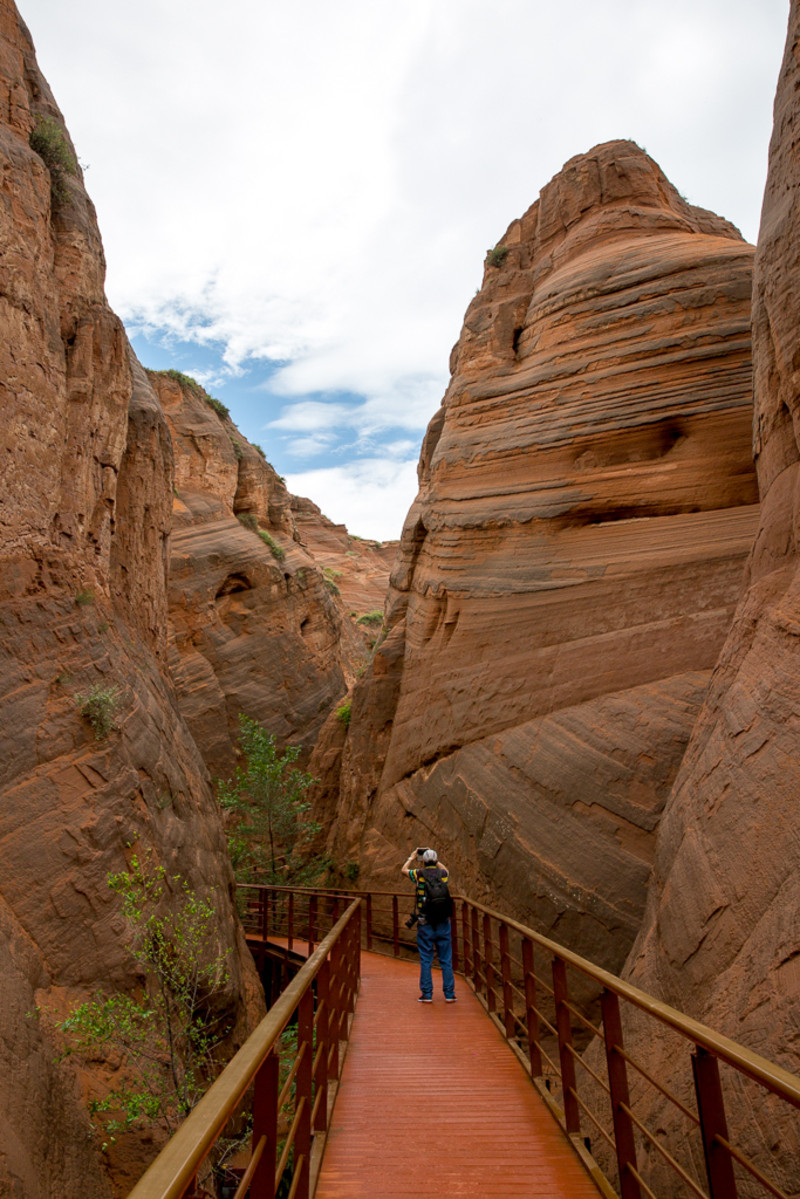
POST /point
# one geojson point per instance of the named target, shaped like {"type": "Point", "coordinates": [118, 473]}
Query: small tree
{"type": "Point", "coordinates": [164, 1040]}
{"type": "Point", "coordinates": [268, 830]}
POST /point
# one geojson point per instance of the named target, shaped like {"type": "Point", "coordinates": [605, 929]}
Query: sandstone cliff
{"type": "Point", "coordinates": [569, 570]}
{"type": "Point", "coordinates": [95, 594]}
{"type": "Point", "coordinates": [254, 628]}
{"type": "Point", "coordinates": [720, 936]}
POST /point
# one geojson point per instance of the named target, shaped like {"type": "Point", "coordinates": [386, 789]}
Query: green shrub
{"type": "Point", "coordinates": [331, 586]}
{"type": "Point", "coordinates": [98, 706]}
{"type": "Point", "coordinates": [249, 520]}
{"type": "Point", "coordinates": [498, 255]}
{"type": "Point", "coordinates": [343, 712]}
{"type": "Point", "coordinates": [375, 617]}
{"type": "Point", "coordinates": [276, 550]}
{"type": "Point", "coordinates": [84, 596]}
{"type": "Point", "coordinates": [352, 871]}
{"type": "Point", "coordinates": [258, 448]}
{"type": "Point", "coordinates": [221, 409]}
{"type": "Point", "coordinates": [237, 449]}
{"type": "Point", "coordinates": [49, 141]}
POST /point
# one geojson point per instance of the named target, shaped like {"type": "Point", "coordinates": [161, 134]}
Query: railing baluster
{"type": "Point", "coordinates": [265, 1123]}
{"type": "Point", "coordinates": [303, 1085]}
{"type": "Point", "coordinates": [465, 938]}
{"type": "Point", "coordinates": [323, 1048]}
{"type": "Point", "coordinates": [395, 926]}
{"type": "Point", "coordinates": [572, 1113]}
{"type": "Point", "coordinates": [620, 1096]}
{"type": "Point", "coordinates": [711, 1110]}
{"type": "Point", "coordinates": [476, 955]}
{"type": "Point", "coordinates": [505, 974]}
{"type": "Point", "coordinates": [532, 1019]}
{"type": "Point", "coordinates": [488, 965]}
{"type": "Point", "coordinates": [312, 924]}
{"type": "Point", "coordinates": [290, 932]}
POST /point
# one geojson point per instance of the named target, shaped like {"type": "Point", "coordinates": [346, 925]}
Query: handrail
{"type": "Point", "coordinates": [177, 1164]}
{"type": "Point", "coordinates": [758, 1068]}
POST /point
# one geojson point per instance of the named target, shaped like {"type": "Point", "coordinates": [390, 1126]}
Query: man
{"type": "Point", "coordinates": [434, 936]}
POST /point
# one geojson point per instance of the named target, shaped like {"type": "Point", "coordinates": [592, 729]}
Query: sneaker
{"type": "Point", "coordinates": [423, 999]}
{"type": "Point", "coordinates": [450, 999]}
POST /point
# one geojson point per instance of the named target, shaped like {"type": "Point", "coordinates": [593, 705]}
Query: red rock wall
{"type": "Point", "coordinates": [121, 556]}
{"type": "Point", "coordinates": [720, 934]}
{"type": "Point", "coordinates": [249, 632]}
{"type": "Point", "coordinates": [570, 567]}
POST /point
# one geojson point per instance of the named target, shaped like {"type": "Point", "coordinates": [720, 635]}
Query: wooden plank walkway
{"type": "Point", "coordinates": [433, 1100]}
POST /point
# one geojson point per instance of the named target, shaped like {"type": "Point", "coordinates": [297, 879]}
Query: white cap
{"type": "Point", "coordinates": [430, 855]}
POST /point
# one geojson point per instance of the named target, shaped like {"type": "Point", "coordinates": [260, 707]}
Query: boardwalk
{"type": "Point", "coordinates": [433, 1100]}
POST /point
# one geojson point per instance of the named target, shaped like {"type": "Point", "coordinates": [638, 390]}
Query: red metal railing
{"type": "Point", "coordinates": [288, 1090]}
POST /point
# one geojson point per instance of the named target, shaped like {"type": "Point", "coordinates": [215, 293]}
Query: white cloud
{"type": "Point", "coordinates": [315, 185]}
{"type": "Point", "coordinates": [370, 496]}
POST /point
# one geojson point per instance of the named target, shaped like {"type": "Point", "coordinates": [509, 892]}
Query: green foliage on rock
{"type": "Point", "coordinates": [49, 141]}
{"type": "Point", "coordinates": [276, 550]}
{"type": "Point", "coordinates": [99, 706]}
{"type": "Point", "coordinates": [498, 255]}
{"type": "Point", "coordinates": [374, 617]}
{"type": "Point", "coordinates": [161, 1044]}
{"type": "Point", "coordinates": [268, 828]}
{"type": "Point", "coordinates": [343, 712]}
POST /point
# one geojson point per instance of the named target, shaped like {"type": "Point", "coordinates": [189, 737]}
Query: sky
{"type": "Point", "coordinates": [296, 198]}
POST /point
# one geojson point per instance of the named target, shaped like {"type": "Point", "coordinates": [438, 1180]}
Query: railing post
{"type": "Point", "coordinates": [505, 973]}
{"type": "Point", "coordinates": [396, 926]}
{"type": "Point", "coordinates": [531, 1014]}
{"type": "Point", "coordinates": [711, 1110]}
{"type": "Point", "coordinates": [303, 1084]}
{"type": "Point", "coordinates": [312, 924]}
{"type": "Point", "coordinates": [265, 1124]}
{"type": "Point", "coordinates": [488, 965]}
{"type": "Point", "coordinates": [476, 954]}
{"type": "Point", "coordinates": [263, 899]}
{"type": "Point", "coordinates": [323, 1048]}
{"type": "Point", "coordinates": [564, 1026]}
{"type": "Point", "coordinates": [454, 937]}
{"type": "Point", "coordinates": [465, 939]}
{"type": "Point", "coordinates": [620, 1097]}
{"type": "Point", "coordinates": [369, 920]}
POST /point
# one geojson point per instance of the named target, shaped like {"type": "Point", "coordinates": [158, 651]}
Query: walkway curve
{"type": "Point", "coordinates": [433, 1100]}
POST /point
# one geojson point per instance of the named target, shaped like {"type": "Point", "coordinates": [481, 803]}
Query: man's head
{"type": "Point", "coordinates": [430, 857]}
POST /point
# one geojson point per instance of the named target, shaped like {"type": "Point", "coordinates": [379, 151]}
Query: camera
{"type": "Point", "coordinates": [412, 920]}
{"type": "Point", "coordinates": [420, 851]}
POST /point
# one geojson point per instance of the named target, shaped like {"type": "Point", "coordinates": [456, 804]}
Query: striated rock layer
{"type": "Point", "coordinates": [103, 585]}
{"type": "Point", "coordinates": [253, 627]}
{"type": "Point", "coordinates": [569, 570]}
{"type": "Point", "coordinates": [720, 938]}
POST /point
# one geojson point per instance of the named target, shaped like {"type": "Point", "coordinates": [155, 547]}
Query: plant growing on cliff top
{"type": "Point", "coordinates": [99, 706]}
{"type": "Point", "coordinates": [343, 712]}
{"type": "Point", "coordinates": [498, 255]}
{"type": "Point", "coordinates": [267, 824]}
{"type": "Point", "coordinates": [374, 617]}
{"type": "Point", "coordinates": [49, 141]}
{"type": "Point", "coordinates": [162, 1043]}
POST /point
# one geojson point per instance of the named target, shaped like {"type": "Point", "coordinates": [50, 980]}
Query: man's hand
{"type": "Point", "coordinates": [405, 868]}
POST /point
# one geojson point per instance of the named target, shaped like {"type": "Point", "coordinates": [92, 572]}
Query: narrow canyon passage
{"type": "Point", "coordinates": [432, 1098]}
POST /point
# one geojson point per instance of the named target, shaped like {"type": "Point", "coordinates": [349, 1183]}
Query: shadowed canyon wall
{"type": "Point", "coordinates": [121, 555]}
{"type": "Point", "coordinates": [569, 570]}
{"type": "Point", "coordinates": [720, 934]}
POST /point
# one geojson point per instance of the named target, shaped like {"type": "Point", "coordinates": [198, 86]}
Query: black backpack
{"type": "Point", "coordinates": [436, 904]}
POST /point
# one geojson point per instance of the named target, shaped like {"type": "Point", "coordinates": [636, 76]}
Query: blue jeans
{"type": "Point", "coordinates": [430, 937]}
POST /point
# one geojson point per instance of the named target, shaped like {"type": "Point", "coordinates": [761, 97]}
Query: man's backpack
{"type": "Point", "coordinates": [436, 904]}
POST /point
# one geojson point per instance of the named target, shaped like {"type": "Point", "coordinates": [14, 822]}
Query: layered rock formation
{"type": "Point", "coordinates": [253, 627]}
{"type": "Point", "coordinates": [570, 567]}
{"type": "Point", "coordinates": [89, 466]}
{"type": "Point", "coordinates": [719, 938]}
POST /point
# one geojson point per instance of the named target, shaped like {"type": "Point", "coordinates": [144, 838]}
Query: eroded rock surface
{"type": "Point", "coordinates": [569, 570]}
{"type": "Point", "coordinates": [253, 627]}
{"type": "Point", "coordinates": [720, 937]}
